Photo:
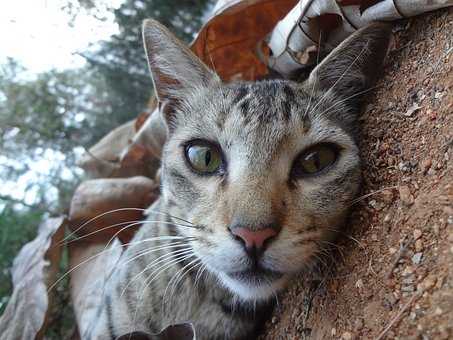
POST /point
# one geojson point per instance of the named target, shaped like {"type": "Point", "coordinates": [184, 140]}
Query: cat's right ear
{"type": "Point", "coordinates": [175, 70]}
{"type": "Point", "coordinates": [354, 65]}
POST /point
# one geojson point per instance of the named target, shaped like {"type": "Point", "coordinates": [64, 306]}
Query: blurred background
{"type": "Point", "coordinates": [70, 71]}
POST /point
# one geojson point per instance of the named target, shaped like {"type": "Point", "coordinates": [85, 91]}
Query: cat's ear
{"type": "Point", "coordinates": [175, 70]}
{"type": "Point", "coordinates": [353, 66]}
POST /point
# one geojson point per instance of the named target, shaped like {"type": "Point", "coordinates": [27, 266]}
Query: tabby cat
{"type": "Point", "coordinates": [257, 178]}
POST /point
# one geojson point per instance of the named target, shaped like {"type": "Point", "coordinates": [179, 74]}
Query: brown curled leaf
{"type": "Point", "coordinates": [34, 270]}
{"type": "Point", "coordinates": [96, 197]}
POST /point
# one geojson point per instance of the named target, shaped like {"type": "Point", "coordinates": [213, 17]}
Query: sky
{"type": "Point", "coordinates": [37, 34]}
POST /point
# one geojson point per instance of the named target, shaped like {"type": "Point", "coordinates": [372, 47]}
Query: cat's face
{"type": "Point", "coordinates": [267, 170]}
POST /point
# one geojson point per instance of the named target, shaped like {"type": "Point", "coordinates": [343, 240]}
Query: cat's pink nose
{"type": "Point", "coordinates": [254, 238]}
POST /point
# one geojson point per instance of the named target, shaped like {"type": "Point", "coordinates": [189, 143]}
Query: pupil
{"type": "Point", "coordinates": [316, 160]}
{"type": "Point", "coordinates": [207, 157]}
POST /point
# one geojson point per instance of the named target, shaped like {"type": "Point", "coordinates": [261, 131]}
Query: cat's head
{"type": "Point", "coordinates": [268, 169]}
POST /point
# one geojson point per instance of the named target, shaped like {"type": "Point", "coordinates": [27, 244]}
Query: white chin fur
{"type": "Point", "coordinates": [247, 291]}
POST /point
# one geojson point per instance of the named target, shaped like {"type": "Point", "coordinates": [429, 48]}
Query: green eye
{"type": "Point", "coordinates": [204, 158]}
{"type": "Point", "coordinates": [316, 159]}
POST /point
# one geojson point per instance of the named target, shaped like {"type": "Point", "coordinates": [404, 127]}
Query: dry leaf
{"type": "Point", "coordinates": [88, 278]}
{"type": "Point", "coordinates": [99, 196]}
{"type": "Point", "coordinates": [34, 270]}
{"type": "Point", "coordinates": [332, 21]}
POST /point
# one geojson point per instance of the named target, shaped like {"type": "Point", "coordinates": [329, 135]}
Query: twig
{"type": "Point", "coordinates": [402, 250]}
{"type": "Point", "coordinates": [397, 316]}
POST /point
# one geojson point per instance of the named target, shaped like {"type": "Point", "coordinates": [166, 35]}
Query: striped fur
{"type": "Point", "coordinates": [261, 128]}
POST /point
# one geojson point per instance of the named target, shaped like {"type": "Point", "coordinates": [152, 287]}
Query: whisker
{"type": "Point", "coordinates": [140, 296]}
{"type": "Point", "coordinates": [132, 224]}
{"type": "Point", "coordinates": [156, 261]}
{"type": "Point", "coordinates": [107, 251]}
{"type": "Point", "coordinates": [126, 209]}
{"type": "Point", "coordinates": [154, 249]}
{"type": "Point", "coordinates": [178, 278]}
{"type": "Point", "coordinates": [340, 78]}
{"type": "Point", "coordinates": [358, 199]}
{"type": "Point", "coordinates": [350, 97]}
{"type": "Point", "coordinates": [315, 81]}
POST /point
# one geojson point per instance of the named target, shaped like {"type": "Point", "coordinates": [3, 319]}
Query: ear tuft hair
{"type": "Point", "coordinates": [175, 70]}
{"type": "Point", "coordinates": [354, 65]}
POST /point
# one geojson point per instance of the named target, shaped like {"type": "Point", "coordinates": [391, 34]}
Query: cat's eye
{"type": "Point", "coordinates": [204, 158]}
{"type": "Point", "coordinates": [316, 159]}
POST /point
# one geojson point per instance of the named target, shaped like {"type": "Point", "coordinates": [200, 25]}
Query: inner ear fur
{"type": "Point", "coordinates": [354, 65]}
{"type": "Point", "coordinates": [175, 70]}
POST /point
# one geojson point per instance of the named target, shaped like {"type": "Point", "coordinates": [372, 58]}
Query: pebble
{"type": "Point", "coordinates": [417, 234]}
{"type": "Point", "coordinates": [436, 229]}
{"type": "Point", "coordinates": [428, 283]}
{"type": "Point", "coordinates": [406, 196]}
{"type": "Point", "coordinates": [411, 110]}
{"type": "Point", "coordinates": [347, 336]}
{"type": "Point", "coordinates": [438, 311]}
{"type": "Point", "coordinates": [418, 246]}
{"type": "Point", "coordinates": [274, 320]}
{"type": "Point", "coordinates": [358, 324]}
{"type": "Point", "coordinates": [409, 270]}
{"type": "Point", "coordinates": [417, 258]}
{"type": "Point", "coordinates": [359, 284]}
{"type": "Point", "coordinates": [425, 165]}
{"type": "Point", "coordinates": [387, 196]}
{"type": "Point", "coordinates": [333, 332]}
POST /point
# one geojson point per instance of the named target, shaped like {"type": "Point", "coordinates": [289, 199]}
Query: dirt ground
{"type": "Point", "coordinates": [393, 275]}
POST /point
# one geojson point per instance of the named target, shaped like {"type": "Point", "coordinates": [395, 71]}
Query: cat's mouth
{"type": "Point", "coordinates": [255, 274]}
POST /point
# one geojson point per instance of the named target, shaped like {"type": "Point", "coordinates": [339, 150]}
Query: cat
{"type": "Point", "coordinates": [257, 179]}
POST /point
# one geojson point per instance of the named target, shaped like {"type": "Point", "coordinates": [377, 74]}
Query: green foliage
{"type": "Point", "coordinates": [45, 119]}
{"type": "Point", "coordinates": [121, 60]}
{"type": "Point", "coordinates": [16, 227]}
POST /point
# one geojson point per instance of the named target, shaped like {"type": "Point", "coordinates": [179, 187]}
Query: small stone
{"type": "Point", "coordinates": [391, 299]}
{"type": "Point", "coordinates": [411, 110]}
{"type": "Point", "coordinates": [417, 234]}
{"type": "Point", "coordinates": [373, 204]}
{"type": "Point", "coordinates": [438, 311]}
{"type": "Point", "coordinates": [358, 324]}
{"type": "Point", "coordinates": [406, 196]}
{"type": "Point", "coordinates": [359, 284]}
{"type": "Point", "coordinates": [407, 289]}
{"type": "Point", "coordinates": [425, 165]}
{"type": "Point", "coordinates": [428, 283]}
{"type": "Point", "coordinates": [436, 229]}
{"type": "Point", "coordinates": [418, 246]}
{"type": "Point", "coordinates": [387, 218]}
{"type": "Point", "coordinates": [387, 196]}
{"type": "Point", "coordinates": [409, 270]}
{"type": "Point", "coordinates": [346, 336]}
{"type": "Point", "coordinates": [448, 210]}
{"type": "Point", "coordinates": [417, 258]}
{"type": "Point", "coordinates": [374, 237]}
{"type": "Point", "coordinates": [333, 332]}
{"type": "Point", "coordinates": [404, 166]}
{"type": "Point", "coordinates": [408, 281]}
{"type": "Point", "coordinates": [274, 320]}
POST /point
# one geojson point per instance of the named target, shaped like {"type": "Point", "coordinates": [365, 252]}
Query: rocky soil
{"type": "Point", "coordinates": [393, 269]}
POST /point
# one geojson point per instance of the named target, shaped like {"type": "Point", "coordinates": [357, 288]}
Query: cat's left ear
{"type": "Point", "coordinates": [175, 70]}
{"type": "Point", "coordinates": [353, 66]}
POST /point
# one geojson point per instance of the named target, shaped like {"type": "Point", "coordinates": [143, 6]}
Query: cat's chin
{"type": "Point", "coordinates": [253, 287]}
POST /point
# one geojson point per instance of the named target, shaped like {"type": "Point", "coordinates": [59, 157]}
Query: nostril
{"type": "Point", "coordinates": [253, 238]}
